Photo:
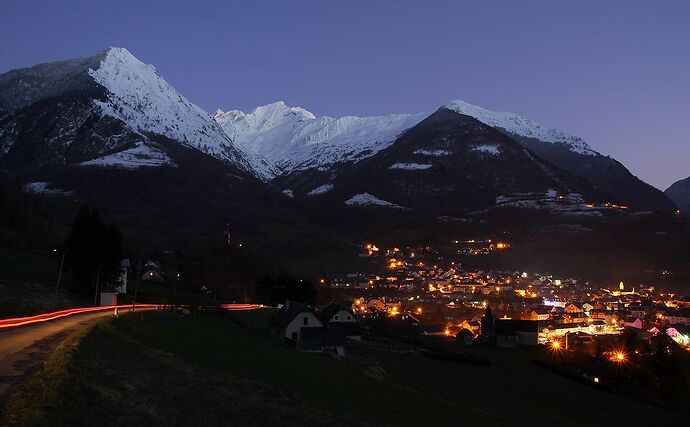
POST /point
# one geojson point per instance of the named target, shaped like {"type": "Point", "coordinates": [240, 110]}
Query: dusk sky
{"type": "Point", "coordinates": [616, 73]}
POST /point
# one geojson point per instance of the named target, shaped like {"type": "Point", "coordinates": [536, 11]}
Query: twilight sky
{"type": "Point", "coordinates": [616, 73]}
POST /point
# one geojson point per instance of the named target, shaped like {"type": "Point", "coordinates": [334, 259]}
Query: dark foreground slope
{"type": "Point", "coordinates": [162, 370]}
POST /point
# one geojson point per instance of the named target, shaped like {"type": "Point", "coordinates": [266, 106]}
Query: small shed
{"type": "Point", "coordinates": [108, 298]}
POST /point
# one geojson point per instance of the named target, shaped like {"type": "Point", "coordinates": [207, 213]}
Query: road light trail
{"type": "Point", "coordinates": [46, 317]}
{"type": "Point", "coordinates": [25, 342]}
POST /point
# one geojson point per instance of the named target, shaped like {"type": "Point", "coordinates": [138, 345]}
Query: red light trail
{"type": "Point", "coordinates": [46, 317]}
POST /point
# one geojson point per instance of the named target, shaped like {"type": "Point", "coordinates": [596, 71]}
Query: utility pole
{"type": "Point", "coordinates": [57, 285]}
{"type": "Point", "coordinates": [136, 292]}
{"type": "Point", "coordinates": [98, 278]}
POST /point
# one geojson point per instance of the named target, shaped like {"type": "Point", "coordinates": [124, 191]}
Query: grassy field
{"type": "Point", "coordinates": [155, 293]}
{"type": "Point", "coordinates": [157, 368]}
{"type": "Point", "coordinates": [27, 266]}
{"type": "Point", "coordinates": [105, 378]}
{"type": "Point", "coordinates": [27, 283]}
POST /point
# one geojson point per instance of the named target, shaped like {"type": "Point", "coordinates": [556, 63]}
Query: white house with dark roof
{"type": "Point", "coordinates": [291, 319]}
{"type": "Point", "coordinates": [339, 316]}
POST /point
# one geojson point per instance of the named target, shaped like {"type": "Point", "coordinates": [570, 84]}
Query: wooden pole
{"type": "Point", "coordinates": [57, 285]}
{"type": "Point", "coordinates": [98, 278]}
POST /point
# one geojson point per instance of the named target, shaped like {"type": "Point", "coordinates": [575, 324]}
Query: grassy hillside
{"type": "Point", "coordinates": [159, 369]}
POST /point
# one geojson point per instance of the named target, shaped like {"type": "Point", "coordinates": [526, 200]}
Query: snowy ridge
{"type": "Point", "coordinates": [294, 138]}
{"type": "Point", "coordinates": [140, 97]}
{"type": "Point", "coordinates": [521, 126]}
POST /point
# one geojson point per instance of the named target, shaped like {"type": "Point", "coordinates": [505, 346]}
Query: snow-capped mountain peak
{"type": "Point", "coordinates": [294, 138]}
{"type": "Point", "coordinates": [264, 118]}
{"type": "Point", "coordinates": [139, 96]}
{"type": "Point", "coordinates": [521, 126]}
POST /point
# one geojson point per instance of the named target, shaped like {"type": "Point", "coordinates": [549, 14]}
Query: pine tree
{"type": "Point", "coordinates": [93, 251]}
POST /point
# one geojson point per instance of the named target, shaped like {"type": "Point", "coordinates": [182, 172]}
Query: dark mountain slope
{"type": "Point", "coordinates": [679, 192]}
{"type": "Point", "coordinates": [604, 172]}
{"type": "Point", "coordinates": [448, 164]}
{"type": "Point", "coordinates": [23, 87]}
{"type": "Point", "coordinates": [182, 206]}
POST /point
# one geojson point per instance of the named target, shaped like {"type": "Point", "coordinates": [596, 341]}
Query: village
{"type": "Point", "coordinates": [426, 287]}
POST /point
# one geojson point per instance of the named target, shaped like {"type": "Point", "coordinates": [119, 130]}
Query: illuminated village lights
{"type": "Point", "coordinates": [618, 356]}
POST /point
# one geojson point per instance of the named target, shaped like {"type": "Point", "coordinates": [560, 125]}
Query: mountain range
{"type": "Point", "coordinates": [108, 129]}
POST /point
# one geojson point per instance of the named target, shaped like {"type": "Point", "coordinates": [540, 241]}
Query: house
{"type": "Point", "coordinates": [151, 272]}
{"type": "Point", "coordinates": [573, 309]}
{"type": "Point", "coordinates": [292, 319]}
{"type": "Point", "coordinates": [679, 334]}
{"type": "Point", "coordinates": [538, 313]}
{"type": "Point", "coordinates": [681, 317]}
{"type": "Point", "coordinates": [633, 322]}
{"type": "Point", "coordinates": [558, 330]}
{"type": "Point", "coordinates": [472, 325]}
{"type": "Point", "coordinates": [514, 331]}
{"type": "Point", "coordinates": [574, 317]}
{"type": "Point", "coordinates": [108, 297]}
{"type": "Point", "coordinates": [636, 311]}
{"type": "Point", "coordinates": [340, 317]}
{"type": "Point", "coordinates": [322, 340]}
{"type": "Point", "coordinates": [337, 313]}
{"type": "Point", "coordinates": [465, 337]}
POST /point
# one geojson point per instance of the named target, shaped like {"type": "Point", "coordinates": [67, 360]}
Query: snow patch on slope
{"type": "Point", "coordinates": [367, 199]}
{"type": "Point", "coordinates": [410, 166]}
{"type": "Point", "coordinates": [140, 156]}
{"type": "Point", "coordinates": [323, 189]}
{"type": "Point", "coordinates": [433, 153]}
{"type": "Point", "coordinates": [489, 149]}
{"type": "Point", "coordinates": [521, 126]}
{"type": "Point", "coordinates": [45, 188]}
